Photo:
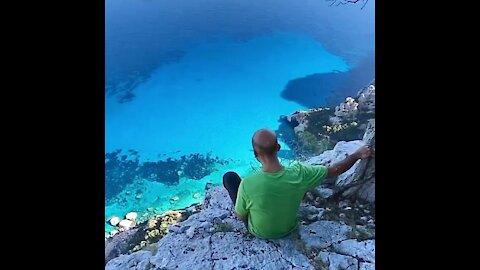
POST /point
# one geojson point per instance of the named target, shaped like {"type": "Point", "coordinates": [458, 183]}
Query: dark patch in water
{"type": "Point", "coordinates": [119, 172]}
{"type": "Point", "coordinates": [197, 166]}
{"type": "Point", "coordinates": [126, 97]}
{"type": "Point", "coordinates": [164, 171]}
{"type": "Point", "coordinates": [122, 82]}
{"type": "Point", "coordinates": [308, 91]}
{"type": "Point", "coordinates": [122, 170]}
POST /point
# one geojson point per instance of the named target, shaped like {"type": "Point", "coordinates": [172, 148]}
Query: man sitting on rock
{"type": "Point", "coordinates": [268, 201]}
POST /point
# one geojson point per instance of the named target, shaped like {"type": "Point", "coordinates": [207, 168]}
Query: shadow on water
{"type": "Point", "coordinates": [122, 83]}
{"type": "Point", "coordinates": [329, 89]}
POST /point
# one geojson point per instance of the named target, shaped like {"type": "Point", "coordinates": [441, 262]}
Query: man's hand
{"type": "Point", "coordinates": [343, 166]}
{"type": "Point", "coordinates": [363, 152]}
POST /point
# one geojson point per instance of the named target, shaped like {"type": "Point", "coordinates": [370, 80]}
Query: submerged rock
{"type": "Point", "coordinates": [122, 170]}
{"type": "Point", "coordinates": [119, 173]}
{"type": "Point", "coordinates": [174, 199]}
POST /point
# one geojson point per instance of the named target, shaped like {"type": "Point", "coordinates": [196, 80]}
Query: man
{"type": "Point", "coordinates": [268, 201]}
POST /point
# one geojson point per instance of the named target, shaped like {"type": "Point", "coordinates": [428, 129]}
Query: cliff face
{"type": "Point", "coordinates": [214, 239]}
{"type": "Point", "coordinates": [362, 182]}
{"type": "Point", "coordinates": [359, 181]}
{"type": "Point", "coordinates": [336, 231]}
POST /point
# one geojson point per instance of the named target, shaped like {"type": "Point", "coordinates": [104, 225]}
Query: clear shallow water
{"type": "Point", "coordinates": [201, 77]}
{"type": "Point", "coordinates": [216, 96]}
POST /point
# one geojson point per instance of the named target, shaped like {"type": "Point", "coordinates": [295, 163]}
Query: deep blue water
{"type": "Point", "coordinates": [188, 82]}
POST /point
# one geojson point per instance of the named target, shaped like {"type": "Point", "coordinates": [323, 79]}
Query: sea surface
{"type": "Point", "coordinates": [188, 82]}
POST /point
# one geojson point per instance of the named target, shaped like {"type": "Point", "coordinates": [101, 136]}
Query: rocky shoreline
{"type": "Point", "coordinates": [313, 131]}
{"type": "Point", "coordinates": [337, 219]}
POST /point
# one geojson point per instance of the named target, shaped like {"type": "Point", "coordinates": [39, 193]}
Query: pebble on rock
{"type": "Point", "coordinates": [125, 224]}
{"type": "Point", "coordinates": [114, 221]}
{"type": "Point", "coordinates": [190, 232]}
{"type": "Point", "coordinates": [131, 216]}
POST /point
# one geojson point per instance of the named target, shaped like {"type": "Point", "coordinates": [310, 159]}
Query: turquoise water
{"type": "Point", "coordinates": [217, 95]}
{"type": "Point", "coordinates": [205, 94]}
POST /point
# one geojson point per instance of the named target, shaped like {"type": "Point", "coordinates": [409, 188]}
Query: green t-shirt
{"type": "Point", "coordinates": [271, 200]}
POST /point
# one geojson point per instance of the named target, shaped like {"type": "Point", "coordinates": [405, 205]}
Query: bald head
{"type": "Point", "coordinates": [265, 141]}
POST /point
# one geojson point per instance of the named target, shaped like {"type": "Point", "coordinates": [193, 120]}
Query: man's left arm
{"type": "Point", "coordinates": [241, 205]}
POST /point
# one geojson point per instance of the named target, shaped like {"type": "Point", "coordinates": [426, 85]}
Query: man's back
{"type": "Point", "coordinates": [271, 200]}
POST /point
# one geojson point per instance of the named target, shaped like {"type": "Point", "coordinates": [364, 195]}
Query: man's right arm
{"type": "Point", "coordinates": [342, 166]}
